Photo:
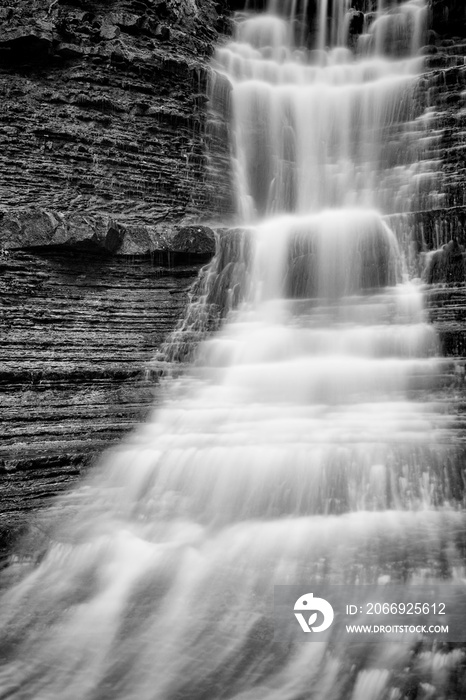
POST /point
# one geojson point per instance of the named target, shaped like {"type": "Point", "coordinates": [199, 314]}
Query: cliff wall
{"type": "Point", "coordinates": [103, 134]}
{"type": "Point", "coordinates": [102, 105]}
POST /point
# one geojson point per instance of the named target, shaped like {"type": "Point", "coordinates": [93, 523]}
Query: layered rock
{"type": "Point", "coordinates": [86, 301]}
{"type": "Point", "coordinates": [34, 228]}
{"type": "Point", "coordinates": [79, 333]}
{"type": "Point", "coordinates": [434, 232]}
{"type": "Point", "coordinates": [103, 105]}
{"type": "Point", "coordinates": [105, 177]}
{"type": "Point", "coordinates": [447, 264]}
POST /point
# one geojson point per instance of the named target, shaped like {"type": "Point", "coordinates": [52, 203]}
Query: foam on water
{"type": "Point", "coordinates": [312, 128]}
{"type": "Point", "coordinates": [303, 443]}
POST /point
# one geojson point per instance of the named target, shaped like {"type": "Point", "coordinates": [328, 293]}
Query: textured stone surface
{"type": "Point", "coordinates": [32, 228]}
{"type": "Point", "coordinates": [446, 306]}
{"type": "Point", "coordinates": [440, 198]}
{"type": "Point", "coordinates": [446, 265]}
{"type": "Point", "coordinates": [78, 332]}
{"type": "Point", "coordinates": [103, 105]}
{"type": "Point", "coordinates": [197, 240]}
{"type": "Point", "coordinates": [104, 161]}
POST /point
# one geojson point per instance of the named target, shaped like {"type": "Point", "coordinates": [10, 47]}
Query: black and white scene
{"type": "Point", "coordinates": [233, 349]}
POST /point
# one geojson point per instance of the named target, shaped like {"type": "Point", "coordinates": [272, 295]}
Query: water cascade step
{"type": "Point", "coordinates": [307, 441]}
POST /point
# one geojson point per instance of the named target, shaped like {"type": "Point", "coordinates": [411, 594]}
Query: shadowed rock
{"type": "Point", "coordinates": [449, 16]}
{"type": "Point", "coordinates": [104, 106]}
{"type": "Point", "coordinates": [78, 332]}
{"type": "Point", "coordinates": [33, 228]}
{"type": "Point", "coordinates": [196, 240]}
{"type": "Point", "coordinates": [447, 264]}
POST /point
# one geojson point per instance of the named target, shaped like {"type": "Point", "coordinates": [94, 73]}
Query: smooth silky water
{"type": "Point", "coordinates": [303, 444]}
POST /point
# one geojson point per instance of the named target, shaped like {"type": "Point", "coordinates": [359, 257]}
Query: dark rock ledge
{"type": "Point", "coordinates": [35, 229]}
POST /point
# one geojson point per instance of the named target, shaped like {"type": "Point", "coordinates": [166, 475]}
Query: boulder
{"type": "Point", "coordinates": [95, 234]}
{"type": "Point", "coordinates": [38, 228]}
{"type": "Point", "coordinates": [193, 240]}
{"type": "Point", "coordinates": [137, 240]}
{"type": "Point", "coordinates": [356, 22]}
{"type": "Point", "coordinates": [26, 228]}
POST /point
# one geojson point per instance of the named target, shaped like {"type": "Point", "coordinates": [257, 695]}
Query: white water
{"type": "Point", "coordinates": [302, 443]}
{"type": "Point", "coordinates": [314, 130]}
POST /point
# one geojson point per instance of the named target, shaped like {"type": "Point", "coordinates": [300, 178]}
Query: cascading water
{"type": "Point", "coordinates": [303, 444]}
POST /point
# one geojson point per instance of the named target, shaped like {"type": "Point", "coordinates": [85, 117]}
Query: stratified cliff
{"type": "Point", "coordinates": [438, 212]}
{"type": "Point", "coordinates": [103, 105]}
{"type": "Point", "coordinates": [103, 153]}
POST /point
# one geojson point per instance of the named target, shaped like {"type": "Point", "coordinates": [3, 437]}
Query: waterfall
{"type": "Point", "coordinates": [307, 442]}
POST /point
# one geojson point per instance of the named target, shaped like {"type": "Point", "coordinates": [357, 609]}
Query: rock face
{"type": "Point", "coordinates": [441, 189]}
{"type": "Point", "coordinates": [86, 302]}
{"type": "Point", "coordinates": [35, 228]}
{"type": "Point", "coordinates": [436, 226]}
{"type": "Point", "coordinates": [102, 105]}
{"type": "Point", "coordinates": [105, 174]}
{"type": "Point", "coordinates": [78, 334]}
{"type": "Point", "coordinates": [446, 265]}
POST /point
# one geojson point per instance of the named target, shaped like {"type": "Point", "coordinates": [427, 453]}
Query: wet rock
{"type": "Point", "coordinates": [6, 13]}
{"type": "Point", "coordinates": [428, 50]}
{"type": "Point", "coordinates": [31, 37]}
{"type": "Point", "coordinates": [37, 228]}
{"type": "Point", "coordinates": [137, 241]}
{"type": "Point", "coordinates": [430, 230]}
{"type": "Point", "coordinates": [364, 5]}
{"type": "Point", "coordinates": [183, 10]}
{"type": "Point", "coordinates": [68, 51]}
{"type": "Point", "coordinates": [232, 270]}
{"type": "Point", "coordinates": [25, 228]}
{"type": "Point", "coordinates": [162, 32]}
{"type": "Point", "coordinates": [78, 332]}
{"type": "Point", "coordinates": [369, 263]}
{"type": "Point", "coordinates": [447, 264]}
{"type": "Point", "coordinates": [194, 240]}
{"type": "Point", "coordinates": [109, 31]}
{"type": "Point", "coordinates": [34, 228]}
{"type": "Point", "coordinates": [103, 60]}
{"type": "Point", "coordinates": [356, 22]}
{"type": "Point", "coordinates": [127, 21]}
{"type": "Point", "coordinates": [83, 232]}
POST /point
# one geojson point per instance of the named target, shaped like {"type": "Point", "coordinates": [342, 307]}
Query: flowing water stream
{"type": "Point", "coordinates": [304, 443]}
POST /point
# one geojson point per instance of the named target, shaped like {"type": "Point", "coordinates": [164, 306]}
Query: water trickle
{"type": "Point", "coordinates": [304, 442]}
